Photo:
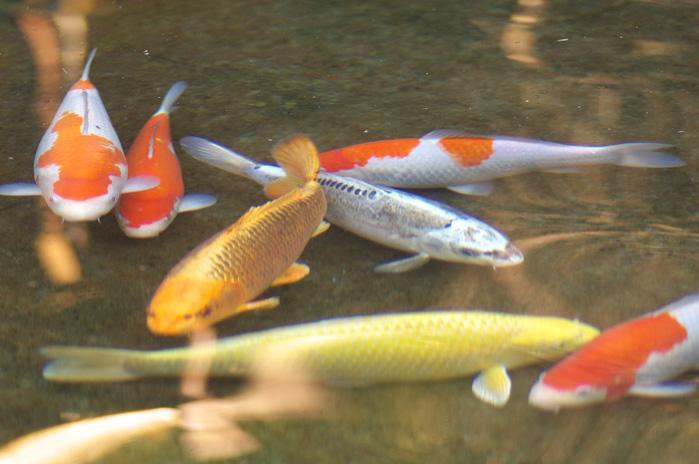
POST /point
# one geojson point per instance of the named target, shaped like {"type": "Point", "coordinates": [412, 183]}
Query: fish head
{"type": "Point", "coordinates": [182, 304]}
{"type": "Point", "coordinates": [584, 377]}
{"type": "Point", "coordinates": [472, 241]}
{"type": "Point", "coordinates": [552, 398]}
{"type": "Point", "coordinates": [78, 199]}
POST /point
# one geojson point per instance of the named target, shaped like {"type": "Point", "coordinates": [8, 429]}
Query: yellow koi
{"type": "Point", "coordinates": [356, 351]}
{"type": "Point", "coordinates": [221, 276]}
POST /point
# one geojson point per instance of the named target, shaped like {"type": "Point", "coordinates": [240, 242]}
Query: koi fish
{"type": "Point", "coordinates": [148, 213]}
{"type": "Point", "coordinates": [220, 277]}
{"type": "Point", "coordinates": [356, 351]}
{"type": "Point", "coordinates": [89, 439]}
{"type": "Point", "coordinates": [467, 163]}
{"type": "Point", "coordinates": [79, 166]}
{"type": "Point", "coordinates": [396, 219]}
{"type": "Point", "coordinates": [636, 357]}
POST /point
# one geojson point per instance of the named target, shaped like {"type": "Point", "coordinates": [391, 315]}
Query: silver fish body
{"type": "Point", "coordinates": [383, 215]}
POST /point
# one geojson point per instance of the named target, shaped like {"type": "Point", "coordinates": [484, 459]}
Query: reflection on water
{"type": "Point", "coordinates": [603, 245]}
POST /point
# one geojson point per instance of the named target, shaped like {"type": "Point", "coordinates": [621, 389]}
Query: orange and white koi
{"type": "Point", "coordinates": [79, 166]}
{"type": "Point", "coordinates": [148, 213]}
{"type": "Point", "coordinates": [467, 163]}
{"type": "Point", "coordinates": [636, 357]}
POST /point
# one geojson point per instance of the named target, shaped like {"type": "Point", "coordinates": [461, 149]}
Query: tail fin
{"type": "Point", "coordinates": [298, 156]}
{"type": "Point", "coordinates": [86, 70]}
{"type": "Point", "coordinates": [218, 156]}
{"type": "Point", "coordinates": [83, 364]}
{"type": "Point", "coordinates": [644, 155]}
{"type": "Point", "coordinates": [171, 97]}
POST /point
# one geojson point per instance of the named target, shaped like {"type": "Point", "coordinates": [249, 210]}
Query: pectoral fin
{"type": "Point", "coordinates": [664, 390]}
{"type": "Point", "coordinates": [322, 227]}
{"type": "Point", "coordinates": [195, 201]}
{"type": "Point", "coordinates": [140, 183]}
{"type": "Point", "coordinates": [493, 386]}
{"type": "Point", "coordinates": [403, 264]}
{"type": "Point", "coordinates": [267, 303]}
{"type": "Point", "coordinates": [477, 188]}
{"type": "Point", "coordinates": [293, 274]}
{"type": "Point", "coordinates": [20, 189]}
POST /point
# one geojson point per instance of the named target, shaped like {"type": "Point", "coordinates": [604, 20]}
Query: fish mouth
{"type": "Point", "coordinates": [511, 256]}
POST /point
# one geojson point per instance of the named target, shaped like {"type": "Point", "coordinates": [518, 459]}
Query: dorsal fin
{"type": "Point", "coordinates": [298, 156]}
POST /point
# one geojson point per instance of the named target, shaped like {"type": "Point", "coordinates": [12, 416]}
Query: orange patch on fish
{"type": "Point", "coordinates": [359, 155]}
{"type": "Point", "coordinates": [468, 151]}
{"type": "Point", "coordinates": [85, 161]}
{"type": "Point", "coordinates": [82, 85]}
{"type": "Point", "coordinates": [148, 206]}
{"type": "Point", "coordinates": [611, 360]}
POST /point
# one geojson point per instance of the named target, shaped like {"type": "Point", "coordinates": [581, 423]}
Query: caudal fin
{"type": "Point", "coordinates": [298, 156]}
{"type": "Point", "coordinates": [171, 97]}
{"type": "Point", "coordinates": [83, 364]}
{"type": "Point", "coordinates": [644, 155]}
{"type": "Point", "coordinates": [218, 156]}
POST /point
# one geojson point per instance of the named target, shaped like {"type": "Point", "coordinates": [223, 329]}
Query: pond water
{"type": "Point", "coordinates": [602, 246]}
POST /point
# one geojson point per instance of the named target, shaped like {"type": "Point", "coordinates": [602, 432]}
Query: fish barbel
{"type": "Point", "coordinates": [356, 351]}
{"type": "Point", "coordinates": [220, 277]}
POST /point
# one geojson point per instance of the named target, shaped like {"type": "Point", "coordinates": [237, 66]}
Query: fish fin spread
{"type": "Point", "coordinates": [217, 155]}
{"type": "Point", "coordinates": [493, 386]}
{"type": "Point", "coordinates": [88, 64]}
{"type": "Point", "coordinates": [476, 188]}
{"type": "Point", "coordinates": [298, 156]}
{"type": "Point", "coordinates": [267, 303]}
{"type": "Point", "coordinates": [20, 189]}
{"type": "Point", "coordinates": [322, 227]}
{"type": "Point", "coordinates": [195, 201]}
{"type": "Point", "coordinates": [140, 183]}
{"type": "Point", "coordinates": [84, 364]}
{"type": "Point", "coordinates": [563, 170]}
{"type": "Point", "coordinates": [664, 390]}
{"type": "Point", "coordinates": [292, 274]}
{"type": "Point", "coordinates": [403, 264]}
{"type": "Point", "coordinates": [643, 155]}
{"type": "Point", "coordinates": [171, 97]}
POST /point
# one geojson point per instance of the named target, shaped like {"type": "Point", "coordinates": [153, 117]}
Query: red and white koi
{"type": "Point", "coordinates": [148, 213]}
{"type": "Point", "coordinates": [636, 357]}
{"type": "Point", "coordinates": [79, 166]}
{"type": "Point", "coordinates": [467, 163]}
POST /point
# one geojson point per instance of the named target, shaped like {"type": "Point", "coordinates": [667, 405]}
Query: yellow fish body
{"type": "Point", "coordinates": [357, 350]}
{"type": "Point", "coordinates": [220, 277]}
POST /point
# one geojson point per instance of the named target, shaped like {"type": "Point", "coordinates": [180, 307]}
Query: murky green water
{"type": "Point", "coordinates": [602, 246]}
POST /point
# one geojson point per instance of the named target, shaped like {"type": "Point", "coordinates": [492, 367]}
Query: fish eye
{"type": "Point", "coordinates": [112, 198]}
{"type": "Point", "coordinates": [583, 391]}
{"type": "Point", "coordinates": [187, 316]}
{"type": "Point", "coordinates": [469, 252]}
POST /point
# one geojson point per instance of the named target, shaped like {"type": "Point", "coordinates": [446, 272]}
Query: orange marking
{"type": "Point", "coordinates": [468, 151]}
{"type": "Point", "coordinates": [148, 206]}
{"type": "Point", "coordinates": [82, 85]}
{"type": "Point", "coordinates": [85, 160]}
{"type": "Point", "coordinates": [359, 155]}
{"type": "Point", "coordinates": [611, 360]}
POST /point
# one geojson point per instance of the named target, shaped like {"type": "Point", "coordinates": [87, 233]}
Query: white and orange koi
{"type": "Point", "coordinates": [148, 213]}
{"type": "Point", "coordinates": [79, 166]}
{"type": "Point", "coordinates": [467, 163]}
{"type": "Point", "coordinates": [636, 357]}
